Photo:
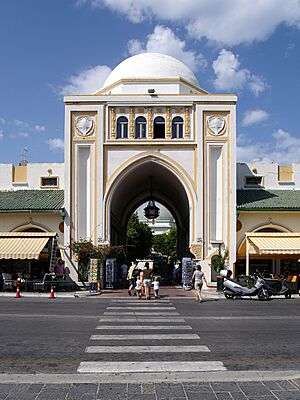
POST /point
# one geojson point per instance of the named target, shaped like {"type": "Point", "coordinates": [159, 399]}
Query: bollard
{"type": "Point", "coordinates": [18, 293]}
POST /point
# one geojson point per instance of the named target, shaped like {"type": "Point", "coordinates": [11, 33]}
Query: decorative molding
{"type": "Point", "coordinates": [196, 249]}
{"type": "Point", "coordinates": [168, 123]}
{"type": "Point", "coordinates": [187, 124]}
{"type": "Point", "coordinates": [131, 123]}
{"type": "Point", "coordinates": [150, 123]}
{"type": "Point", "coordinates": [113, 132]}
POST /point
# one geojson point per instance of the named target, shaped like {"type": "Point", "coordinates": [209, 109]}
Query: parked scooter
{"type": "Point", "coordinates": [234, 289]}
{"type": "Point", "coordinates": [277, 287]}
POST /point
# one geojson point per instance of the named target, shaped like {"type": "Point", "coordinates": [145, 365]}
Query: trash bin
{"type": "Point", "coordinates": [220, 281]}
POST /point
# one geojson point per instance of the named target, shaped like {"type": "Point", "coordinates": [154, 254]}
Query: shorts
{"type": "Point", "coordinates": [198, 286]}
{"type": "Point", "coordinates": [147, 282]}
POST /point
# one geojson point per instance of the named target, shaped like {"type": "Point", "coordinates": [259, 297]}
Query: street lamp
{"type": "Point", "coordinates": [151, 211]}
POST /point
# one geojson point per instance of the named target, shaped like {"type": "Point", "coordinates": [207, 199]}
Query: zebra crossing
{"type": "Point", "coordinates": [146, 337]}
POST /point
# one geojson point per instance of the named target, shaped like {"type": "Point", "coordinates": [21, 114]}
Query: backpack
{"type": "Point", "coordinates": [135, 273]}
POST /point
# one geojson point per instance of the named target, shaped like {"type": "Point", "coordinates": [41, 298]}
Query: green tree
{"type": "Point", "coordinates": [166, 243]}
{"type": "Point", "coordinates": [139, 238]}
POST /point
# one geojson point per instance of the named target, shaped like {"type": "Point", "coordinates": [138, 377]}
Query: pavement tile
{"type": "Point", "coordinates": [169, 390]}
{"type": "Point", "coordinates": [201, 396]}
{"type": "Point", "coordinates": [199, 388]}
{"type": "Point", "coordinates": [268, 397]}
{"type": "Point", "coordinates": [113, 391]}
{"type": "Point", "coordinates": [25, 396]}
{"type": "Point", "coordinates": [290, 395]}
{"type": "Point", "coordinates": [238, 396]}
{"type": "Point", "coordinates": [148, 388]}
{"type": "Point", "coordinates": [297, 382]}
{"type": "Point", "coordinates": [134, 389]}
{"type": "Point", "coordinates": [54, 392]}
{"type": "Point", "coordinates": [35, 388]}
{"type": "Point", "coordinates": [272, 385]}
{"type": "Point", "coordinates": [287, 385]}
{"type": "Point", "coordinates": [142, 397]}
{"type": "Point", "coordinates": [4, 390]}
{"type": "Point", "coordinates": [225, 387]}
{"type": "Point", "coordinates": [254, 389]}
{"type": "Point", "coordinates": [19, 388]}
{"type": "Point", "coordinates": [223, 396]}
{"type": "Point", "coordinates": [82, 391]}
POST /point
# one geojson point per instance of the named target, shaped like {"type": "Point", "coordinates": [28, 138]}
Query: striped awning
{"type": "Point", "coordinates": [23, 245]}
{"type": "Point", "coordinates": [275, 243]}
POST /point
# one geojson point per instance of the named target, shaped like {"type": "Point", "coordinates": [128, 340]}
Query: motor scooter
{"type": "Point", "coordinates": [234, 289]}
{"type": "Point", "coordinates": [277, 287]}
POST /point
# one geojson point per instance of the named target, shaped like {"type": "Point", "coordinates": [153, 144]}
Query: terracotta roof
{"type": "Point", "coordinates": [263, 200]}
{"type": "Point", "coordinates": [31, 200]}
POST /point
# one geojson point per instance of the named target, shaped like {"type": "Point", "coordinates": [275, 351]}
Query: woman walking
{"type": "Point", "coordinates": [198, 278]}
{"type": "Point", "coordinates": [147, 280]}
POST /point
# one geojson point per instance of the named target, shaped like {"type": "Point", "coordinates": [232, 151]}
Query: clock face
{"type": "Point", "coordinates": [84, 125]}
{"type": "Point", "coordinates": [216, 125]}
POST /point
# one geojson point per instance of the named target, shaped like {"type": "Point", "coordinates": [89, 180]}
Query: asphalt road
{"type": "Point", "coordinates": [50, 336]}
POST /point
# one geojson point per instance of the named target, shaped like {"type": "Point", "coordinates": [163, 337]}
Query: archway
{"type": "Point", "coordinates": [133, 189]}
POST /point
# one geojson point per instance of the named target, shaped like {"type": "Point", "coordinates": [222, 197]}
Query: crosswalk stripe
{"type": "Point", "coordinates": [138, 319]}
{"type": "Point", "coordinates": [147, 349]}
{"type": "Point", "coordinates": [140, 308]}
{"type": "Point", "coordinates": [139, 327]}
{"type": "Point", "coordinates": [132, 300]}
{"type": "Point", "coordinates": [142, 303]}
{"type": "Point", "coordinates": [170, 314]}
{"type": "Point", "coordinates": [161, 336]}
{"type": "Point", "coordinates": [90, 367]}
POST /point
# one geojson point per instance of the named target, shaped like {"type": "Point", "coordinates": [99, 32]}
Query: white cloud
{"type": "Point", "coordinates": [1, 134]}
{"type": "Point", "coordinates": [254, 117]}
{"type": "Point", "coordinates": [283, 149]}
{"type": "Point", "coordinates": [55, 144]}
{"type": "Point", "coordinates": [88, 81]}
{"type": "Point", "coordinates": [2, 121]}
{"type": "Point", "coordinates": [226, 22]}
{"type": "Point", "coordinates": [229, 76]}
{"type": "Point", "coordinates": [164, 40]}
{"type": "Point", "coordinates": [40, 128]}
{"type": "Point", "coordinates": [23, 134]}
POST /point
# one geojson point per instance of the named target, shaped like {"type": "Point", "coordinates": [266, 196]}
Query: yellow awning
{"type": "Point", "coordinates": [23, 245]}
{"type": "Point", "coordinates": [275, 243]}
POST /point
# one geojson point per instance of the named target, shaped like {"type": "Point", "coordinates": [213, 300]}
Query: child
{"type": "Point", "coordinates": [156, 287]}
{"type": "Point", "coordinates": [138, 288]}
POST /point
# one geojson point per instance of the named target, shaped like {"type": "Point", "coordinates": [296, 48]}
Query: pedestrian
{"type": "Point", "coordinates": [147, 280]}
{"type": "Point", "coordinates": [130, 278]}
{"type": "Point", "coordinates": [1, 281]}
{"type": "Point", "coordinates": [138, 288]}
{"type": "Point", "coordinates": [198, 278]}
{"type": "Point", "coordinates": [59, 269]}
{"type": "Point", "coordinates": [156, 286]}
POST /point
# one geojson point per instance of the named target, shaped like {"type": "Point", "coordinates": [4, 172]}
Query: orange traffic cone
{"type": "Point", "coordinates": [18, 294]}
{"type": "Point", "coordinates": [52, 293]}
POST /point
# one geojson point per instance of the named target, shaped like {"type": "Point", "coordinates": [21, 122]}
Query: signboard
{"type": "Point", "coordinates": [187, 271]}
{"type": "Point", "coordinates": [111, 270]}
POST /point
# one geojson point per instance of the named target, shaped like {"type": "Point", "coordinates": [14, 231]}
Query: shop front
{"type": "Point", "coordinates": [27, 255]}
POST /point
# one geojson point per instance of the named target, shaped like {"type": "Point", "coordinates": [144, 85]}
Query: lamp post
{"type": "Point", "coordinates": [151, 211]}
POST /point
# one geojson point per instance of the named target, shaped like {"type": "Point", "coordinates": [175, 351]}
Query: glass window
{"type": "Point", "coordinates": [140, 128]}
{"type": "Point", "coordinates": [122, 128]}
{"type": "Point", "coordinates": [159, 128]}
{"type": "Point", "coordinates": [49, 181]}
{"type": "Point", "coordinates": [253, 181]}
{"type": "Point", "coordinates": [177, 128]}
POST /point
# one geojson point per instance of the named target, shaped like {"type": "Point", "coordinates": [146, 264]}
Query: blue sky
{"type": "Point", "coordinates": [51, 48]}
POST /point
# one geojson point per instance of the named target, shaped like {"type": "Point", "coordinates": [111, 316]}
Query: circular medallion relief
{"type": "Point", "coordinates": [216, 125]}
{"type": "Point", "coordinates": [84, 125]}
{"type": "Point", "coordinates": [238, 225]}
{"type": "Point", "coordinates": [61, 227]}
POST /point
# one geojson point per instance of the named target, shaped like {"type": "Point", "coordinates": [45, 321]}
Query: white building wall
{"type": "Point", "coordinates": [6, 176]}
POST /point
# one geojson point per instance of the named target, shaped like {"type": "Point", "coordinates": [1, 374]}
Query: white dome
{"type": "Point", "coordinates": [151, 66]}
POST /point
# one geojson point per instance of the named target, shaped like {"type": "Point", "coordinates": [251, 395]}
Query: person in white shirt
{"type": "Point", "coordinates": [156, 287]}
{"type": "Point", "coordinates": [138, 288]}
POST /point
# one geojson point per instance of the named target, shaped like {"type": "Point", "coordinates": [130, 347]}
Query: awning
{"type": "Point", "coordinates": [275, 243]}
{"type": "Point", "coordinates": [23, 245]}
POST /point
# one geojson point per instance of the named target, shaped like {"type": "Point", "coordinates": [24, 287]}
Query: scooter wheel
{"type": "Point", "coordinates": [263, 295]}
{"type": "Point", "coordinates": [229, 296]}
{"type": "Point", "coordinates": [288, 294]}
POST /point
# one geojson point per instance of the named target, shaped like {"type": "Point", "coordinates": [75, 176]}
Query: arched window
{"type": "Point", "coordinates": [159, 128]}
{"type": "Point", "coordinates": [177, 128]}
{"type": "Point", "coordinates": [140, 128]}
{"type": "Point", "coordinates": [122, 128]}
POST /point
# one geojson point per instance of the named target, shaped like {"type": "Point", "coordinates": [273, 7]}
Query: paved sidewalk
{"type": "Point", "coordinates": [266, 390]}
